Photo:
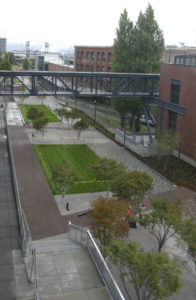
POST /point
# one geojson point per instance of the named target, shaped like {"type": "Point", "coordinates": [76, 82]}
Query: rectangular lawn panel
{"type": "Point", "coordinates": [79, 158]}
{"type": "Point", "coordinates": [42, 108]}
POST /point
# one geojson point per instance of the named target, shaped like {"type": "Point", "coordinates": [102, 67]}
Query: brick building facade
{"type": "Point", "coordinates": [177, 85]}
{"type": "Point", "coordinates": [57, 67]}
{"type": "Point", "coordinates": [92, 59]}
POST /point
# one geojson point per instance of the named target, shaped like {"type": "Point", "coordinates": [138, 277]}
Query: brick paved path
{"type": "Point", "coordinates": [36, 197]}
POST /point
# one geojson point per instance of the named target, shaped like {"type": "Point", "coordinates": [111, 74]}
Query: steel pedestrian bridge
{"type": "Point", "coordinates": [87, 84]}
{"type": "Point", "coordinates": [78, 84]}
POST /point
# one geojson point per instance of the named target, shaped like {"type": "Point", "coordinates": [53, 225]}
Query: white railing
{"type": "Point", "coordinates": [84, 236]}
{"type": "Point", "coordinates": [25, 235]}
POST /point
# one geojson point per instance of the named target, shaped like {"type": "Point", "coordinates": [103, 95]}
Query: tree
{"type": "Point", "coordinates": [107, 169]}
{"type": "Point", "coordinates": [39, 123]}
{"type": "Point", "coordinates": [137, 49]}
{"type": "Point", "coordinates": [164, 220]}
{"type": "Point", "coordinates": [131, 187]}
{"type": "Point", "coordinates": [149, 43]}
{"type": "Point", "coordinates": [123, 47]}
{"type": "Point", "coordinates": [62, 176]}
{"type": "Point", "coordinates": [166, 142]}
{"type": "Point", "coordinates": [33, 113]}
{"type": "Point", "coordinates": [26, 64]}
{"type": "Point", "coordinates": [79, 126]}
{"type": "Point", "coordinates": [107, 221]}
{"type": "Point", "coordinates": [5, 64]}
{"type": "Point", "coordinates": [188, 234]}
{"type": "Point", "coordinates": [152, 275]}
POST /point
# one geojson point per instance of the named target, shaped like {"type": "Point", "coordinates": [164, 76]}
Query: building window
{"type": "Point", "coordinates": [81, 68]}
{"type": "Point", "coordinates": [175, 96]}
{"type": "Point", "coordinates": [98, 69]}
{"type": "Point", "coordinates": [109, 69]}
{"type": "Point", "coordinates": [103, 69]}
{"type": "Point", "coordinates": [92, 68]}
{"type": "Point", "coordinates": [92, 56]}
{"type": "Point", "coordinates": [103, 57]}
{"type": "Point", "coordinates": [78, 55]}
{"type": "Point", "coordinates": [88, 56]}
{"type": "Point", "coordinates": [109, 57]}
{"type": "Point", "coordinates": [78, 67]}
{"type": "Point", "coordinates": [87, 68]}
{"type": "Point", "coordinates": [82, 55]}
{"type": "Point", "coordinates": [98, 57]}
{"type": "Point", "coordinates": [175, 91]}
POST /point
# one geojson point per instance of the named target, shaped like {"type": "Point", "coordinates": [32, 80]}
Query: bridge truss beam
{"type": "Point", "coordinates": [78, 84]}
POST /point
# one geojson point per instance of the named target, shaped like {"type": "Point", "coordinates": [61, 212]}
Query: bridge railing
{"type": "Point", "coordinates": [25, 235]}
{"type": "Point", "coordinates": [84, 237]}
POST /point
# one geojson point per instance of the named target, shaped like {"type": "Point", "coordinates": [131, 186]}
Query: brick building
{"type": "Point", "coordinates": [56, 67]}
{"type": "Point", "coordinates": [92, 59]}
{"type": "Point", "coordinates": [177, 85]}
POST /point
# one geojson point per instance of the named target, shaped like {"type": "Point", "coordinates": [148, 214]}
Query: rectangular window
{"type": "Point", "coordinates": [175, 96]}
{"type": "Point", "coordinates": [87, 68]}
{"type": "Point", "coordinates": [92, 68]}
{"type": "Point", "coordinates": [175, 91]}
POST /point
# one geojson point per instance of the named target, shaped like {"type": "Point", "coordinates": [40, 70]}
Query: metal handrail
{"type": "Point", "coordinates": [98, 259]}
{"type": "Point", "coordinates": [26, 239]}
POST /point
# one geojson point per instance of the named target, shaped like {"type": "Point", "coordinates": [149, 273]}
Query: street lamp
{"type": "Point", "coordinates": [95, 102]}
{"type": "Point", "coordinates": [125, 129]}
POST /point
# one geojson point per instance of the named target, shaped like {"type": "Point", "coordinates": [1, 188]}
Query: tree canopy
{"type": "Point", "coordinates": [131, 187]}
{"type": "Point", "coordinates": [107, 220]}
{"type": "Point", "coordinates": [137, 49]}
{"type": "Point", "coordinates": [164, 220]}
{"type": "Point", "coordinates": [152, 275]}
{"type": "Point", "coordinates": [107, 169]}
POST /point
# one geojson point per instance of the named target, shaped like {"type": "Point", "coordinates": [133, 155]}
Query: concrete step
{"type": "Point", "coordinates": [55, 244]}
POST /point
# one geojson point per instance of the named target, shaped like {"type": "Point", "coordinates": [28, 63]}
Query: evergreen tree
{"type": "Point", "coordinates": [149, 43]}
{"type": "Point", "coordinates": [123, 45]}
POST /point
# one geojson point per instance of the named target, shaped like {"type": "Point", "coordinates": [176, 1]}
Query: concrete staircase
{"type": "Point", "coordinates": [66, 271]}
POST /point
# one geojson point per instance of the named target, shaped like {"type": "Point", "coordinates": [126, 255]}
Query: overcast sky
{"type": "Point", "coordinates": [90, 22]}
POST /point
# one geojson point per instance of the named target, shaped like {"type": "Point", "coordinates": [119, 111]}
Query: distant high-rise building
{"type": "Point", "coordinates": [3, 45]}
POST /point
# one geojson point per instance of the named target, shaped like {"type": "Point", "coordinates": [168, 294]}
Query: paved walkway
{"type": "Point", "coordinates": [9, 231]}
{"type": "Point", "coordinates": [36, 197]}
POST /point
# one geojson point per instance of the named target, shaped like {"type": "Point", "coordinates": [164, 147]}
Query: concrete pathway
{"type": "Point", "coordinates": [10, 254]}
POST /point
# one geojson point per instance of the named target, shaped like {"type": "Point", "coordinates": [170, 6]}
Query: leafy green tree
{"type": "Point", "coordinates": [62, 176]}
{"type": "Point", "coordinates": [33, 113]}
{"type": "Point", "coordinates": [107, 169]}
{"type": "Point", "coordinates": [80, 126]}
{"type": "Point", "coordinates": [188, 234]}
{"type": "Point", "coordinates": [166, 142]}
{"type": "Point", "coordinates": [137, 49]}
{"type": "Point", "coordinates": [11, 58]}
{"type": "Point", "coordinates": [26, 64]}
{"type": "Point", "coordinates": [5, 64]}
{"type": "Point", "coordinates": [164, 221]}
{"type": "Point", "coordinates": [131, 187]}
{"type": "Point", "coordinates": [123, 47]}
{"type": "Point", "coordinates": [152, 275]}
{"type": "Point", "coordinates": [39, 123]}
{"type": "Point", "coordinates": [107, 221]}
{"type": "Point", "coordinates": [149, 43]}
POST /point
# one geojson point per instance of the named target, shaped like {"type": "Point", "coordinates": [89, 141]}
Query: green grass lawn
{"type": "Point", "coordinates": [42, 108]}
{"type": "Point", "coordinates": [79, 157]}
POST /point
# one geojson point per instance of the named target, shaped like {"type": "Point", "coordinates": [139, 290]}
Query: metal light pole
{"type": "Point", "coordinates": [95, 108]}
{"type": "Point", "coordinates": [125, 129]}
{"type": "Point", "coordinates": [178, 161]}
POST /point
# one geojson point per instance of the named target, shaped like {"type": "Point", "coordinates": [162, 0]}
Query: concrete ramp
{"type": "Point", "coordinates": [36, 197]}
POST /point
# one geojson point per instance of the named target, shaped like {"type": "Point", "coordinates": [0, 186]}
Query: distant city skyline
{"type": "Point", "coordinates": [63, 24]}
